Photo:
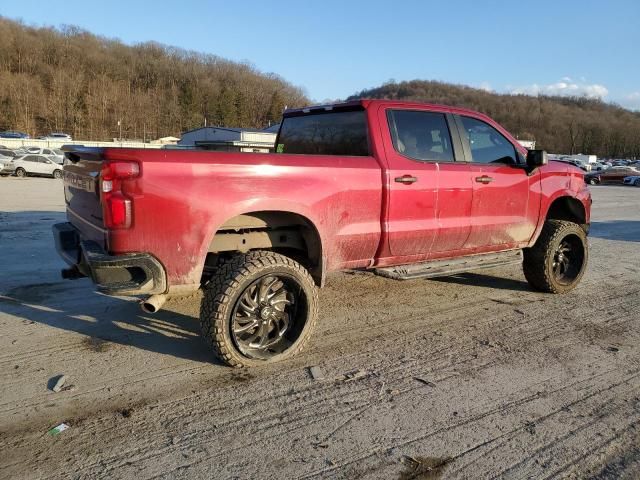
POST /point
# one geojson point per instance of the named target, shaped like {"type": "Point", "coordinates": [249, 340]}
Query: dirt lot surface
{"type": "Point", "coordinates": [473, 376]}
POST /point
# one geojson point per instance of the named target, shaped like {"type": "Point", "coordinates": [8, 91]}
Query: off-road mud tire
{"type": "Point", "coordinates": [225, 287]}
{"type": "Point", "coordinates": [538, 260]}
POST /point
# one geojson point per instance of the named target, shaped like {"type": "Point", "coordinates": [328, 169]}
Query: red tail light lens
{"type": "Point", "coordinates": [116, 205]}
{"type": "Point", "coordinates": [117, 211]}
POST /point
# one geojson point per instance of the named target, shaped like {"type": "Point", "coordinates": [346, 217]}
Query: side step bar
{"type": "Point", "coordinates": [442, 268]}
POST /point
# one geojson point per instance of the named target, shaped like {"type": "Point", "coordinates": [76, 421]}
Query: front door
{"type": "Point", "coordinates": [31, 164]}
{"type": "Point", "coordinates": [503, 214]}
{"type": "Point", "coordinates": [429, 193]}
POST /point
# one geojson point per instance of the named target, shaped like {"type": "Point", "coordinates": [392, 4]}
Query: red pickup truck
{"type": "Point", "coordinates": [404, 189]}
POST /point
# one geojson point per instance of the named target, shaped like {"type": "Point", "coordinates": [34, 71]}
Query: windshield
{"type": "Point", "coordinates": [325, 133]}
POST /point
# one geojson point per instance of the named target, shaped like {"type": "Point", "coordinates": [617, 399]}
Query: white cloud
{"type": "Point", "coordinates": [565, 87]}
{"type": "Point", "coordinates": [632, 100]}
{"type": "Point", "coordinates": [486, 86]}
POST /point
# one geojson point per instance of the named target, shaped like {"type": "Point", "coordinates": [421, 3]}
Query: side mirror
{"type": "Point", "coordinates": [536, 158]}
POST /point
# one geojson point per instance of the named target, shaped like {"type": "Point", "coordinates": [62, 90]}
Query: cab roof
{"type": "Point", "coordinates": [368, 103]}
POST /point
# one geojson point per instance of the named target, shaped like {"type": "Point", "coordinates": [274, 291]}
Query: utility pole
{"type": "Point", "coordinates": [120, 127]}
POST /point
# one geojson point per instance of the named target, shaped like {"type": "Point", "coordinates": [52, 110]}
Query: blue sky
{"type": "Point", "coordinates": [336, 48]}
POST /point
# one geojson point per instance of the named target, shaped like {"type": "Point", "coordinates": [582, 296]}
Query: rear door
{"type": "Point", "coordinates": [615, 174]}
{"type": "Point", "coordinates": [429, 192]}
{"type": "Point", "coordinates": [503, 215]}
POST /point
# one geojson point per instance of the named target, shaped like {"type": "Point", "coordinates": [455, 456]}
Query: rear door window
{"type": "Point", "coordinates": [420, 135]}
{"type": "Point", "coordinates": [325, 133]}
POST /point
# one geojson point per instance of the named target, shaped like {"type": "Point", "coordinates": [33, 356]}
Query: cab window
{"type": "Point", "coordinates": [420, 135]}
{"type": "Point", "coordinates": [486, 143]}
{"type": "Point", "coordinates": [333, 132]}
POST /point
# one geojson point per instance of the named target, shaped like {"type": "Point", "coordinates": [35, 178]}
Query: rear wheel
{"type": "Point", "coordinates": [259, 307]}
{"type": "Point", "coordinates": [57, 174]}
{"type": "Point", "coordinates": [557, 261]}
{"type": "Point", "coordinates": [21, 172]}
{"type": "Point", "coordinates": [593, 181]}
{"type": "Point", "coordinates": [637, 182]}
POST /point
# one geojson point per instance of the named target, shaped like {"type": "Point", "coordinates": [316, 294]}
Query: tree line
{"type": "Point", "coordinates": [69, 80]}
{"type": "Point", "coordinates": [557, 124]}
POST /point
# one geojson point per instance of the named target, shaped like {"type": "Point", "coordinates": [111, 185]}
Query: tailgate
{"type": "Point", "coordinates": [82, 192]}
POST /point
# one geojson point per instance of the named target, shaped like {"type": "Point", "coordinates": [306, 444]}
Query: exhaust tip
{"type": "Point", "coordinates": [148, 307]}
{"type": "Point", "coordinates": [153, 304]}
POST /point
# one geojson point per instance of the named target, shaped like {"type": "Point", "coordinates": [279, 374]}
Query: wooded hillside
{"type": "Point", "coordinates": [72, 81]}
{"type": "Point", "coordinates": [69, 80]}
{"type": "Point", "coordinates": [558, 124]}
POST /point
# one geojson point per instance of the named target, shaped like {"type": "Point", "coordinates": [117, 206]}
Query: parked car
{"type": "Point", "coordinates": [632, 180]}
{"type": "Point", "coordinates": [614, 174]}
{"type": "Point", "coordinates": [34, 164]}
{"type": "Point", "coordinates": [619, 163]}
{"type": "Point", "coordinates": [56, 136]}
{"type": "Point", "coordinates": [52, 153]}
{"type": "Point", "coordinates": [581, 165]}
{"type": "Point", "coordinates": [6, 165]}
{"type": "Point", "coordinates": [7, 152]}
{"type": "Point", "coordinates": [13, 134]}
{"type": "Point", "coordinates": [407, 190]}
{"type": "Point", "coordinates": [598, 167]}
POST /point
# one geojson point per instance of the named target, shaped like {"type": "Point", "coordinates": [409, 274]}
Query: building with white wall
{"type": "Point", "coordinates": [229, 139]}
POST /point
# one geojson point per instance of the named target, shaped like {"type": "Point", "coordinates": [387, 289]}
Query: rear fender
{"type": "Point", "coordinates": [315, 237]}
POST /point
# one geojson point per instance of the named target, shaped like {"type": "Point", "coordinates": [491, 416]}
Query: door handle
{"type": "Point", "coordinates": [406, 179]}
{"type": "Point", "coordinates": [484, 179]}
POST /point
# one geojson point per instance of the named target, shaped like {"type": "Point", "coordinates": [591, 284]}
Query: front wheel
{"type": "Point", "coordinates": [21, 172]}
{"type": "Point", "coordinates": [557, 261]}
{"type": "Point", "coordinates": [593, 181]}
{"type": "Point", "coordinates": [259, 307]}
{"type": "Point", "coordinates": [637, 182]}
{"type": "Point", "coordinates": [57, 174]}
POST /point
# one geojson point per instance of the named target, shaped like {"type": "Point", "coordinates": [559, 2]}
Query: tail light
{"type": "Point", "coordinates": [116, 205]}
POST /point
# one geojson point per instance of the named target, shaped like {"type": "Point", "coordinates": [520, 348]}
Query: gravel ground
{"type": "Point", "coordinates": [473, 376]}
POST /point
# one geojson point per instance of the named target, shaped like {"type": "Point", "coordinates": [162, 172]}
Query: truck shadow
{"type": "Point", "coordinates": [487, 281]}
{"type": "Point", "coordinates": [31, 290]}
{"type": "Point", "coordinates": [623, 230]}
{"type": "Point", "coordinates": [107, 320]}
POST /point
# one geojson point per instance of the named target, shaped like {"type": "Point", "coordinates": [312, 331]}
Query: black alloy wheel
{"type": "Point", "coordinates": [258, 307]}
{"type": "Point", "coordinates": [568, 259]}
{"type": "Point", "coordinates": [557, 261]}
{"type": "Point", "coordinates": [264, 313]}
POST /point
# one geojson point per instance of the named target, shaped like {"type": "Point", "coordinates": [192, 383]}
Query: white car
{"type": "Point", "coordinates": [632, 180]}
{"type": "Point", "coordinates": [34, 164]}
{"type": "Point", "coordinates": [6, 165]}
{"type": "Point", "coordinates": [51, 153]}
{"type": "Point", "coordinates": [56, 136]}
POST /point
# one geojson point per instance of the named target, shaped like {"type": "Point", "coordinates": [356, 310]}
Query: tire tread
{"type": "Point", "coordinates": [220, 289]}
{"type": "Point", "coordinates": [535, 258]}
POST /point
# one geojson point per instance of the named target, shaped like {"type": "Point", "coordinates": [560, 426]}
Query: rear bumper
{"type": "Point", "coordinates": [127, 274]}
